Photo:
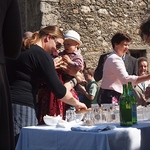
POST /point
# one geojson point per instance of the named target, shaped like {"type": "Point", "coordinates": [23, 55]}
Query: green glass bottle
{"type": "Point", "coordinates": [125, 108]}
{"type": "Point", "coordinates": [133, 100]}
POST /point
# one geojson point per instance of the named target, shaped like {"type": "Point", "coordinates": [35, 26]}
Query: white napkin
{"type": "Point", "coordinates": [65, 124]}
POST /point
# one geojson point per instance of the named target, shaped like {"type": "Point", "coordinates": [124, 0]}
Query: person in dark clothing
{"type": "Point", "coordinates": [145, 36]}
{"type": "Point", "coordinates": [33, 67]}
{"type": "Point", "coordinates": [145, 31]}
{"type": "Point", "coordinates": [10, 43]}
{"type": "Point", "coordinates": [99, 69]}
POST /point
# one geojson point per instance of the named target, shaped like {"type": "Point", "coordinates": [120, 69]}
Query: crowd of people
{"type": "Point", "coordinates": [38, 78]}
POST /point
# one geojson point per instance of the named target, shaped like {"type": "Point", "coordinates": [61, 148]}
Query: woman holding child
{"type": "Point", "coordinates": [32, 68]}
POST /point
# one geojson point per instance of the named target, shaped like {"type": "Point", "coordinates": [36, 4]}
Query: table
{"type": "Point", "coordinates": [45, 137]}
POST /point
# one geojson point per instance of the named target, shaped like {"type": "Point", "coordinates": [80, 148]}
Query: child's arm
{"type": "Point", "coordinates": [76, 62]}
{"type": "Point", "coordinates": [89, 94]}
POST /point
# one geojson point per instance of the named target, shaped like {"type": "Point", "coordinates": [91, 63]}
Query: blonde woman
{"type": "Point", "coordinates": [31, 68]}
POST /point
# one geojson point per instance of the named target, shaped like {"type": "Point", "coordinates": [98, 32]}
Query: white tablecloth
{"type": "Point", "coordinates": [54, 138]}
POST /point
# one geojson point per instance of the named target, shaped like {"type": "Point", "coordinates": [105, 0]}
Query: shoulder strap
{"type": "Point", "coordinates": [91, 84]}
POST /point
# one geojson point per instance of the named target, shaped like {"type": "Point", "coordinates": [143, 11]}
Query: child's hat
{"type": "Point", "coordinates": [71, 34]}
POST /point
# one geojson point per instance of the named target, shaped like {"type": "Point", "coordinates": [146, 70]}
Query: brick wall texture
{"type": "Point", "coordinates": [95, 20]}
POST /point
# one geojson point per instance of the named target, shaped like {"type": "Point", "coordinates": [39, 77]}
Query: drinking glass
{"type": "Point", "coordinates": [70, 115]}
{"type": "Point", "coordinates": [89, 118]}
{"type": "Point", "coordinates": [96, 112]}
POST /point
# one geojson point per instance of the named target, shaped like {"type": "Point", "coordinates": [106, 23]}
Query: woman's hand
{"type": "Point", "coordinates": [80, 106]}
{"type": "Point", "coordinates": [69, 70]}
{"type": "Point", "coordinates": [72, 72]}
{"type": "Point", "coordinates": [57, 62]}
{"type": "Point", "coordinates": [80, 77]}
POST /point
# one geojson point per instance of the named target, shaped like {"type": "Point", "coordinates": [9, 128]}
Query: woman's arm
{"type": "Point", "coordinates": [120, 71]}
{"type": "Point", "coordinates": [78, 75]}
{"type": "Point", "coordinates": [69, 99]}
{"type": "Point", "coordinates": [61, 91]}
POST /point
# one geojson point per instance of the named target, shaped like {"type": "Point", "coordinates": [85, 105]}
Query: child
{"type": "Point", "coordinates": [91, 89]}
{"type": "Point", "coordinates": [72, 54]}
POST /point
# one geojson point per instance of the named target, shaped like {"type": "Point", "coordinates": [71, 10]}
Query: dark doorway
{"type": "Point", "coordinates": [137, 53]}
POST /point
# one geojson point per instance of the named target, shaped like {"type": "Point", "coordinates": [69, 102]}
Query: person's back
{"type": "Point", "coordinates": [99, 69]}
{"type": "Point", "coordinates": [10, 43]}
{"type": "Point", "coordinates": [25, 75]}
{"type": "Point", "coordinates": [28, 70]}
{"type": "Point", "coordinates": [20, 72]}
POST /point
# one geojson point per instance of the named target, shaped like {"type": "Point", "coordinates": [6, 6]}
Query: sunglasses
{"type": "Point", "coordinates": [58, 45]}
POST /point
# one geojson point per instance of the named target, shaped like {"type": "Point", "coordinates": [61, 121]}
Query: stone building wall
{"type": "Point", "coordinates": [95, 20]}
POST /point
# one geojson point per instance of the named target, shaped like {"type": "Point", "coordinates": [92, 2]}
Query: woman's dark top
{"type": "Point", "coordinates": [25, 74]}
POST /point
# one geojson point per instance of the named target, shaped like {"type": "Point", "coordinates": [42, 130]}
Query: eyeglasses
{"type": "Point", "coordinates": [58, 45]}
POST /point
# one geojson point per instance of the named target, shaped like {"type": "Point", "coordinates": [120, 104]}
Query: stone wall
{"type": "Point", "coordinates": [95, 20]}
